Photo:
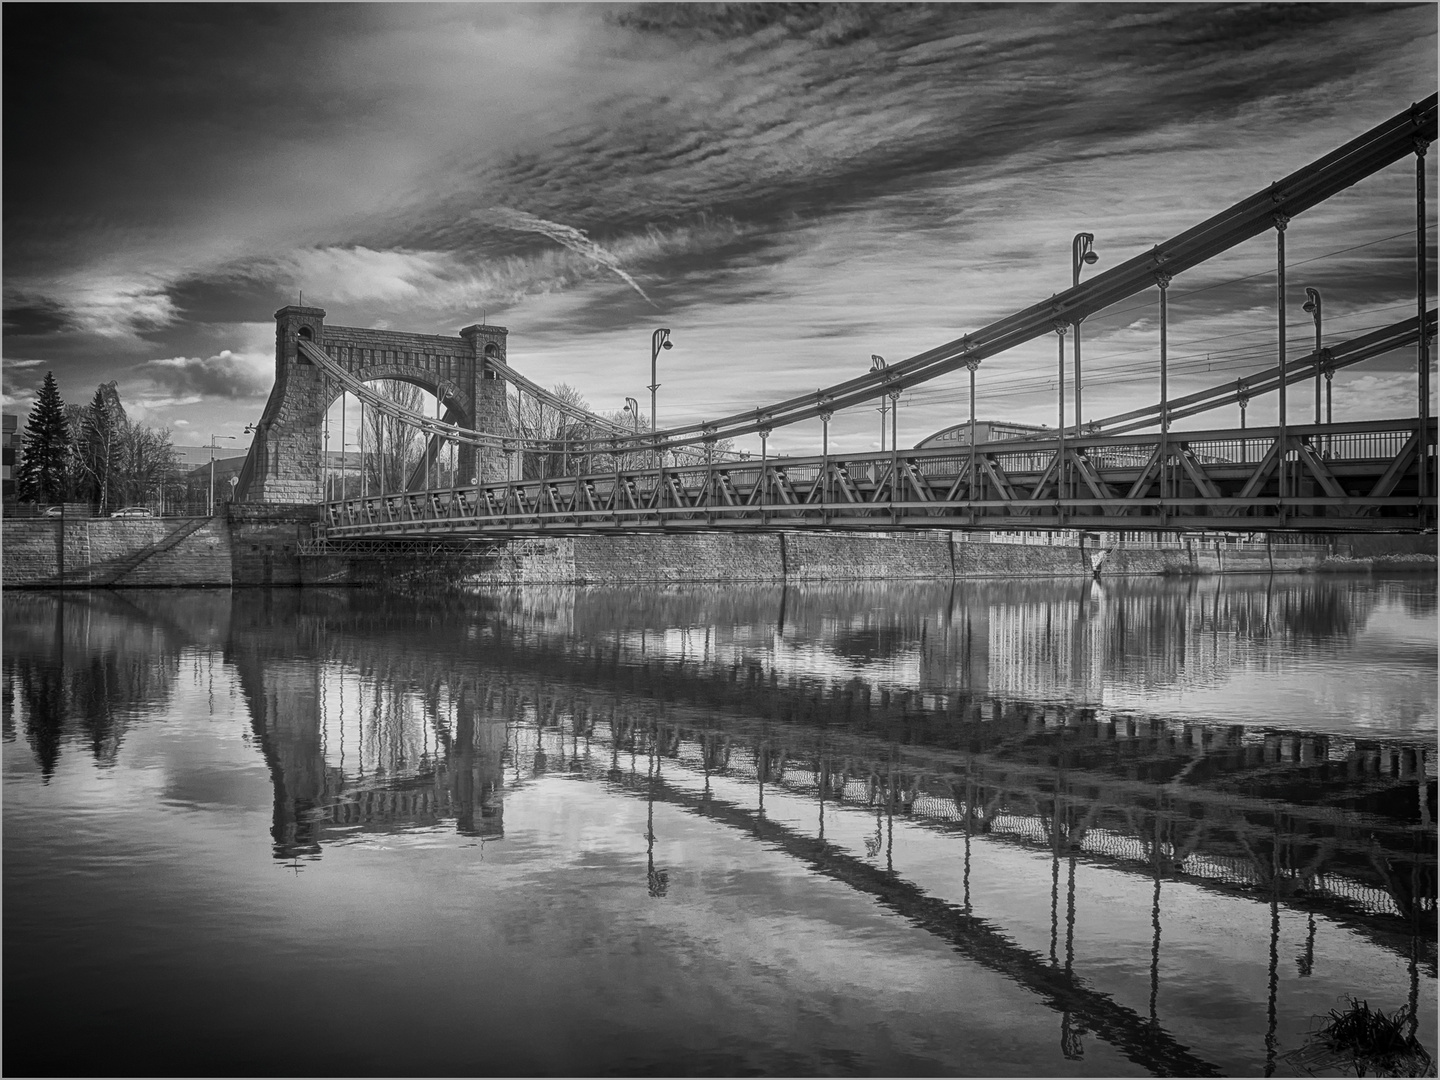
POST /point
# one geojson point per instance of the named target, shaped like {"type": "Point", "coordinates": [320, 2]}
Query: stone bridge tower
{"type": "Point", "coordinates": [284, 464]}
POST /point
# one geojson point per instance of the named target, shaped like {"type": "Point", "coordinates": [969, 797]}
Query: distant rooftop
{"type": "Point", "coordinates": [200, 455]}
{"type": "Point", "coordinates": [985, 431]}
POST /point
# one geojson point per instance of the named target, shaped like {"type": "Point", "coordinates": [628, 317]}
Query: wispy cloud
{"type": "Point", "coordinates": [567, 237]}
{"type": "Point", "coordinates": [114, 306]}
{"type": "Point", "coordinates": [792, 186]}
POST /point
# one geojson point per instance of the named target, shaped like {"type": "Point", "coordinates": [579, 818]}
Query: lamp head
{"type": "Point", "coordinates": [666, 344]}
{"type": "Point", "coordinates": [1090, 258]}
{"type": "Point", "coordinates": [1309, 305]}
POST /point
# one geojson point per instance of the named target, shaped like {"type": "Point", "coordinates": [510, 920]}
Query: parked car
{"type": "Point", "coordinates": [55, 511]}
{"type": "Point", "coordinates": [132, 511]}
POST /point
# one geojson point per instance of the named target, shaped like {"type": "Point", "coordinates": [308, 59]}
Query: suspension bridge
{"type": "Point", "coordinates": [1129, 471]}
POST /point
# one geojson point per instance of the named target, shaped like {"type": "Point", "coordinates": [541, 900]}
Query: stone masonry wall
{"type": "Point", "coordinates": [823, 557]}
{"type": "Point", "coordinates": [265, 542]}
{"type": "Point", "coordinates": [259, 544]}
{"type": "Point", "coordinates": [713, 557]}
{"type": "Point", "coordinates": [31, 551]}
{"type": "Point", "coordinates": [124, 553]}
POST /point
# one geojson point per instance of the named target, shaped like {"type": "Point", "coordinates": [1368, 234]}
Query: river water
{"type": "Point", "coordinates": [1135, 827]}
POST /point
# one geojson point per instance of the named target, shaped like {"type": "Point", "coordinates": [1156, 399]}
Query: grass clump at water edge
{"type": "Point", "coordinates": [1371, 1042]}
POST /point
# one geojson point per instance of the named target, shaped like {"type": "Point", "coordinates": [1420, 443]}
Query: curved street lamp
{"type": "Point", "coordinates": [877, 363]}
{"type": "Point", "coordinates": [1081, 255]}
{"type": "Point", "coordinates": [1316, 307]}
{"type": "Point", "coordinates": [633, 408]}
{"type": "Point", "coordinates": [660, 339]}
{"type": "Point", "coordinates": [213, 448]}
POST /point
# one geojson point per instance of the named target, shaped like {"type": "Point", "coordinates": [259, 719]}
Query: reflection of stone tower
{"type": "Point", "coordinates": [287, 722]}
{"type": "Point", "coordinates": [475, 773]}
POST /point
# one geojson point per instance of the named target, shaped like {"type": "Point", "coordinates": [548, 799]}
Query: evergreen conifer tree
{"type": "Point", "coordinates": [45, 448]}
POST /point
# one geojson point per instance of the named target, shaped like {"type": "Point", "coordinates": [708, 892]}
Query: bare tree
{"type": "Point", "coordinates": [148, 461]}
{"type": "Point", "coordinates": [550, 434]}
{"type": "Point", "coordinates": [393, 448]}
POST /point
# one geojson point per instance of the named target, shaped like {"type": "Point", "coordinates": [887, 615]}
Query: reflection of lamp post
{"type": "Point", "coordinates": [658, 340]}
{"type": "Point", "coordinates": [1315, 306]}
{"type": "Point", "coordinates": [213, 448]}
{"type": "Point", "coordinates": [1080, 255]}
{"type": "Point", "coordinates": [657, 881]}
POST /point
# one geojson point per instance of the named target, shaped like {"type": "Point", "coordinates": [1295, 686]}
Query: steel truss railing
{"type": "Point", "coordinates": [1344, 477]}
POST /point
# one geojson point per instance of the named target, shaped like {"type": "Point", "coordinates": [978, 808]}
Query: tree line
{"type": "Point", "coordinates": [92, 453]}
{"type": "Point", "coordinates": [395, 451]}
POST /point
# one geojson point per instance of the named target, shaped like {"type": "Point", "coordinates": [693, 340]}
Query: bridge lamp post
{"type": "Point", "coordinates": [1281, 442]}
{"type": "Point", "coordinates": [825, 414]}
{"type": "Point", "coordinates": [1060, 328]}
{"type": "Point", "coordinates": [213, 448]}
{"type": "Point", "coordinates": [1081, 255]}
{"type": "Point", "coordinates": [764, 434]}
{"type": "Point", "coordinates": [344, 479]}
{"type": "Point", "coordinates": [1242, 398]}
{"type": "Point", "coordinates": [1327, 368]}
{"type": "Point", "coordinates": [1422, 343]}
{"type": "Point", "coordinates": [894, 445]}
{"type": "Point", "coordinates": [1163, 282]}
{"type": "Point", "coordinates": [633, 408]}
{"type": "Point", "coordinates": [877, 363]}
{"type": "Point", "coordinates": [1314, 305]}
{"type": "Point", "coordinates": [972, 365]}
{"type": "Point", "coordinates": [660, 339]}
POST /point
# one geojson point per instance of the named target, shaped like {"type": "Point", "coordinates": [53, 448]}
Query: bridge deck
{"type": "Point", "coordinates": [1337, 477]}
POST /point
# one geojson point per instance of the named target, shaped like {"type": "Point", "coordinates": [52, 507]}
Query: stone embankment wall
{"type": "Point", "coordinates": [78, 553]}
{"type": "Point", "coordinates": [260, 545]}
{"type": "Point", "coordinates": [251, 546]}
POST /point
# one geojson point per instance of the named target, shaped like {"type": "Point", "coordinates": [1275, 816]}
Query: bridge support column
{"type": "Point", "coordinates": [284, 464]}
{"type": "Point", "coordinates": [491, 412]}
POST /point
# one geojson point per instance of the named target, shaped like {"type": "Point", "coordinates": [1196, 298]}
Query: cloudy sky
{"type": "Point", "coordinates": [790, 188]}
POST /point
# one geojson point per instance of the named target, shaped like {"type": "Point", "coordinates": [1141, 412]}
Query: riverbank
{"type": "Point", "coordinates": [277, 545]}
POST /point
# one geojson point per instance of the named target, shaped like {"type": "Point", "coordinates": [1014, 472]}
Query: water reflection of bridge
{"type": "Point", "coordinates": [1271, 852]}
{"type": "Point", "coordinates": [1324, 822]}
{"type": "Point", "coordinates": [909, 714]}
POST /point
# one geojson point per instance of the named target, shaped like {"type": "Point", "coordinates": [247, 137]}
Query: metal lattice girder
{"type": "Point", "coordinates": [1218, 484]}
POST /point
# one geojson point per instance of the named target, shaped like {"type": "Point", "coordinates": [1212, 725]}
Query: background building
{"type": "Point", "coordinates": [7, 454]}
